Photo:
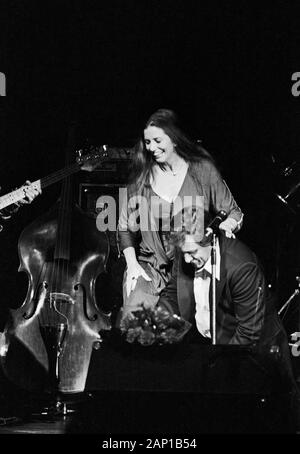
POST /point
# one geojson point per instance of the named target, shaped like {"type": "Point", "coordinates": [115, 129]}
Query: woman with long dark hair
{"type": "Point", "coordinates": [170, 171]}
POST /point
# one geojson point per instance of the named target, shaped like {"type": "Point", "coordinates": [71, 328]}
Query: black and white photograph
{"type": "Point", "coordinates": [149, 220]}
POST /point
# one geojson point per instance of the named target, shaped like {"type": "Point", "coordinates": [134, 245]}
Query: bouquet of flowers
{"type": "Point", "coordinates": [154, 326]}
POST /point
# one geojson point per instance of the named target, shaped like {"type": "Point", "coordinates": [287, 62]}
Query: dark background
{"type": "Point", "coordinates": [225, 66]}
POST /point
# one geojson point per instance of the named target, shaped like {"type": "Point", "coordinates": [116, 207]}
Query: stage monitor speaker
{"type": "Point", "coordinates": [194, 388]}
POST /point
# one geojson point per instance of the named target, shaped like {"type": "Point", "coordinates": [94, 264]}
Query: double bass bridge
{"type": "Point", "coordinates": [59, 297]}
{"type": "Point", "coordinates": [60, 303]}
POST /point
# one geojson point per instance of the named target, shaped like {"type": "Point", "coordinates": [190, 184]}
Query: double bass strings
{"type": "Point", "coordinates": [59, 175]}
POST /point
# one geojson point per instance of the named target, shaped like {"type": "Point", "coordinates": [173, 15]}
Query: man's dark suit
{"type": "Point", "coordinates": [245, 313]}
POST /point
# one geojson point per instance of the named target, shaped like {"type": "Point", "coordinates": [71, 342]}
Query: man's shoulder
{"type": "Point", "coordinates": [236, 251]}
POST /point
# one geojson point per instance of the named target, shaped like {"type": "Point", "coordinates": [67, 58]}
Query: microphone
{"type": "Point", "coordinates": [213, 226]}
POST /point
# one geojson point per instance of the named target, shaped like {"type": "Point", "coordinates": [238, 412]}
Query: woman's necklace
{"type": "Point", "coordinates": [178, 168]}
{"type": "Point", "coordinates": [175, 169]}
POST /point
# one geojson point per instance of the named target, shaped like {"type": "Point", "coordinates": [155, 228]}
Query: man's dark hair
{"type": "Point", "coordinates": [186, 223]}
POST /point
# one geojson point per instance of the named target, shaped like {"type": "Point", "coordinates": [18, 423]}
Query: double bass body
{"type": "Point", "coordinates": [59, 322]}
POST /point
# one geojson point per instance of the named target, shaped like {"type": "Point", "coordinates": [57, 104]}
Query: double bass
{"type": "Point", "coordinates": [49, 339]}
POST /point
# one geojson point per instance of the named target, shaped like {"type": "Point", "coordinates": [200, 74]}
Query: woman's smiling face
{"type": "Point", "coordinates": [159, 144]}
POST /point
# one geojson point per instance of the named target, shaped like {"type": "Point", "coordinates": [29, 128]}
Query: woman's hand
{"type": "Point", "coordinates": [228, 226]}
{"type": "Point", "coordinates": [30, 193]}
{"type": "Point", "coordinates": [134, 271]}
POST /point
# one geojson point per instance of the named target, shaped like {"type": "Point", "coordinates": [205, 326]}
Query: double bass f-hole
{"type": "Point", "coordinates": [90, 317]}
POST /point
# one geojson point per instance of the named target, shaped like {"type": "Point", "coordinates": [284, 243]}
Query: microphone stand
{"type": "Point", "coordinates": [211, 229]}
{"type": "Point", "coordinates": [213, 284]}
{"type": "Point", "coordinates": [296, 292]}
